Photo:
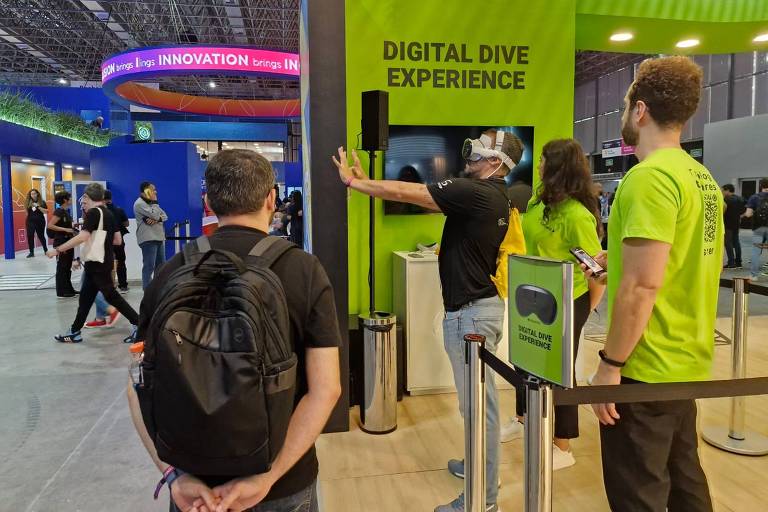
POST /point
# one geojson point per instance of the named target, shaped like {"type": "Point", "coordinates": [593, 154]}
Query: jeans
{"type": "Point", "coordinates": [733, 247]}
{"type": "Point", "coordinates": [759, 236]}
{"type": "Point", "coordinates": [486, 317]}
{"type": "Point", "coordinates": [651, 460]}
{"type": "Point", "coordinates": [101, 306]}
{"type": "Point", "coordinates": [303, 501]}
{"type": "Point", "coordinates": [153, 255]}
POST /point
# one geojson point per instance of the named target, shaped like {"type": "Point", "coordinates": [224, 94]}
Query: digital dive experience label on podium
{"type": "Point", "coordinates": [541, 318]}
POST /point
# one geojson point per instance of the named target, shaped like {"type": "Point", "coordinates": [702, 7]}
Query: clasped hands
{"type": "Point", "coordinates": [191, 495]}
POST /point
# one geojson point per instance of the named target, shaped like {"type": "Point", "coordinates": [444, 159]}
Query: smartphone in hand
{"type": "Point", "coordinates": [581, 255]}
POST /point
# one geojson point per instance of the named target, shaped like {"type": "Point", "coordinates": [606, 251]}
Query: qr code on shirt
{"type": "Point", "coordinates": [711, 214]}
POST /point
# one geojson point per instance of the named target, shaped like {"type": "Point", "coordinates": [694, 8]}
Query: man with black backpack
{"type": "Point", "coordinates": [757, 209]}
{"type": "Point", "coordinates": [241, 368]}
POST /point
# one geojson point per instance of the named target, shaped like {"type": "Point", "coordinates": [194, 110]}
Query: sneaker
{"type": "Point", "coordinates": [122, 289]}
{"type": "Point", "coordinates": [70, 337]}
{"type": "Point", "coordinates": [561, 459]}
{"type": "Point", "coordinates": [94, 324]}
{"type": "Point", "coordinates": [112, 318]}
{"type": "Point", "coordinates": [30, 255]}
{"type": "Point", "coordinates": [457, 505]}
{"type": "Point", "coordinates": [66, 296]}
{"type": "Point", "coordinates": [511, 431]}
{"type": "Point", "coordinates": [456, 468]}
{"type": "Point", "coordinates": [131, 338]}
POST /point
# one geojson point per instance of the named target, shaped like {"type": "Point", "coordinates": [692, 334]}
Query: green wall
{"type": "Point", "coordinates": [546, 102]}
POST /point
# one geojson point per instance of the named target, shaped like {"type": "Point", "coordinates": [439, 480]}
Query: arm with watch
{"type": "Point", "coordinates": [644, 263]}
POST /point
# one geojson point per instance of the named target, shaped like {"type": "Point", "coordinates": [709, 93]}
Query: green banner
{"type": "Point", "coordinates": [541, 318]}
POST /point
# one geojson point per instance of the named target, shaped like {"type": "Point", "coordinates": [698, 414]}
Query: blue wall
{"type": "Point", "coordinates": [174, 167]}
{"type": "Point", "coordinates": [17, 140]}
{"type": "Point", "coordinates": [68, 99]}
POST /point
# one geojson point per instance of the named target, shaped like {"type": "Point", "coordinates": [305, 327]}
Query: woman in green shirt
{"type": "Point", "coordinates": [563, 214]}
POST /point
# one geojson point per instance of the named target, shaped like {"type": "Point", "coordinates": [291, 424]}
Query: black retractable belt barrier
{"type": "Point", "coordinates": [749, 287]}
{"type": "Point", "coordinates": [626, 393]}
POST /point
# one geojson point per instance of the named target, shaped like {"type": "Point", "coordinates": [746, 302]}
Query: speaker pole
{"type": "Point", "coordinates": [371, 237]}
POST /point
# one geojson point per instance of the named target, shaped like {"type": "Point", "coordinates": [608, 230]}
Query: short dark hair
{"type": "Point", "coordinates": [107, 195]}
{"type": "Point", "coordinates": [512, 146]}
{"type": "Point", "coordinates": [670, 87]}
{"type": "Point", "coordinates": [238, 181]}
{"type": "Point", "coordinates": [62, 197]}
{"type": "Point", "coordinates": [95, 191]}
{"type": "Point", "coordinates": [763, 183]}
{"type": "Point", "coordinates": [729, 188]}
{"type": "Point", "coordinates": [144, 184]}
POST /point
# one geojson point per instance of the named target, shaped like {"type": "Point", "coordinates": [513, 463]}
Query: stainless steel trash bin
{"type": "Point", "coordinates": [378, 407]}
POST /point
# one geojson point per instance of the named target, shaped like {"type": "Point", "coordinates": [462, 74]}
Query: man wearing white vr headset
{"type": "Point", "coordinates": [477, 211]}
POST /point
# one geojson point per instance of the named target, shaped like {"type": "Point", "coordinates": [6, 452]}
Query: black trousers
{"type": "Point", "coordinates": [36, 226]}
{"type": "Point", "coordinates": [566, 416]}
{"type": "Point", "coordinates": [650, 458]}
{"type": "Point", "coordinates": [64, 273]}
{"type": "Point", "coordinates": [122, 271]}
{"type": "Point", "coordinates": [95, 281]}
{"type": "Point", "coordinates": [733, 246]}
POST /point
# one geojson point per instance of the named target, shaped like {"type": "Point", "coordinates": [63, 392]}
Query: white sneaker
{"type": "Point", "coordinates": [511, 430]}
{"type": "Point", "coordinates": [561, 459]}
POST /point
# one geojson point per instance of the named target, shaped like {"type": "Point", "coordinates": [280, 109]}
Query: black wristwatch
{"type": "Point", "coordinates": [610, 362]}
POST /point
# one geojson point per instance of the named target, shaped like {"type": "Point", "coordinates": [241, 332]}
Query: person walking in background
{"type": "Point", "coordinates": [98, 274]}
{"type": "Point", "coordinates": [122, 223]}
{"type": "Point", "coordinates": [665, 248]}
{"type": "Point", "coordinates": [565, 214]}
{"type": "Point", "coordinates": [150, 233]}
{"type": "Point", "coordinates": [734, 208]}
{"type": "Point", "coordinates": [35, 207]}
{"type": "Point", "coordinates": [757, 210]}
{"type": "Point", "coordinates": [295, 217]}
{"type": "Point", "coordinates": [60, 229]}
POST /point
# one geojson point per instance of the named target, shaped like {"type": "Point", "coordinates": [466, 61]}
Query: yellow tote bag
{"type": "Point", "coordinates": [513, 243]}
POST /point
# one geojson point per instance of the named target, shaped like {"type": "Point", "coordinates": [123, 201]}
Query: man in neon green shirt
{"type": "Point", "coordinates": [664, 260]}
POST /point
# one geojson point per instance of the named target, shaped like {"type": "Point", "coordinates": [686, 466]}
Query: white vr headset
{"type": "Point", "coordinates": [484, 147]}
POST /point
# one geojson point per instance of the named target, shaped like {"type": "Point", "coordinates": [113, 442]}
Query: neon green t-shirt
{"type": "Point", "coordinates": [570, 225]}
{"type": "Point", "coordinates": [672, 198]}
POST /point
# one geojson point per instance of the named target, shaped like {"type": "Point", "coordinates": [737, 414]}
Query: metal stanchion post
{"type": "Point", "coordinates": [735, 438]}
{"type": "Point", "coordinates": [186, 232]}
{"type": "Point", "coordinates": [474, 425]}
{"type": "Point", "coordinates": [176, 236]}
{"type": "Point", "coordinates": [539, 424]}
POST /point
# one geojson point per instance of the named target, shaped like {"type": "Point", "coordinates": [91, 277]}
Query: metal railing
{"type": "Point", "coordinates": [542, 397]}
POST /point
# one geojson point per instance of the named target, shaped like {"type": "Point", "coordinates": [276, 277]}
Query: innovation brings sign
{"type": "Point", "coordinates": [224, 59]}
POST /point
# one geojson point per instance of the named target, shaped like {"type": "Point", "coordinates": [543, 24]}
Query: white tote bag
{"type": "Point", "coordinates": [93, 249]}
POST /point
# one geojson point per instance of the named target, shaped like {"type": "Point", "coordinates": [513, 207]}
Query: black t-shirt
{"type": "Point", "coordinates": [120, 218]}
{"type": "Point", "coordinates": [65, 221]}
{"type": "Point", "coordinates": [91, 224]}
{"type": "Point", "coordinates": [477, 214]}
{"type": "Point", "coordinates": [735, 206]}
{"type": "Point", "coordinates": [312, 312]}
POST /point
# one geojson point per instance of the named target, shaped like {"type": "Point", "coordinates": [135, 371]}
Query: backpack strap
{"type": "Point", "coordinates": [194, 251]}
{"type": "Point", "coordinates": [270, 249]}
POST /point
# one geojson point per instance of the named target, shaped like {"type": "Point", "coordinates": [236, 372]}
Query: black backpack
{"type": "Point", "coordinates": [219, 371]}
{"type": "Point", "coordinates": [761, 213]}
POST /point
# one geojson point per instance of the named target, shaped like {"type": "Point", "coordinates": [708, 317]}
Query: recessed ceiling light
{"type": "Point", "coordinates": [81, 168]}
{"type": "Point", "coordinates": [762, 38]}
{"type": "Point", "coordinates": [49, 164]}
{"type": "Point", "coordinates": [63, 81]}
{"type": "Point", "coordinates": [688, 43]}
{"type": "Point", "coordinates": [26, 160]}
{"type": "Point", "coordinates": [621, 36]}
{"type": "Point", "coordinates": [67, 166]}
{"type": "Point", "coordinates": [212, 85]}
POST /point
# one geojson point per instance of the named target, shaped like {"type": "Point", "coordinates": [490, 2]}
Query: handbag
{"type": "Point", "coordinates": [93, 249]}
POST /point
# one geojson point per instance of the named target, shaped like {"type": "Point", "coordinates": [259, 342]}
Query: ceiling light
{"type": "Point", "coordinates": [621, 36]}
{"type": "Point", "coordinates": [687, 43]}
{"type": "Point", "coordinates": [63, 81]}
{"type": "Point", "coordinates": [762, 38]}
{"type": "Point", "coordinates": [26, 160]}
{"type": "Point", "coordinates": [67, 166]}
{"type": "Point", "coordinates": [212, 85]}
{"type": "Point", "coordinates": [49, 164]}
{"type": "Point", "coordinates": [81, 168]}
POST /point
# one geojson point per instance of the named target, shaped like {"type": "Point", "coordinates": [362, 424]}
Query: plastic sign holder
{"type": "Point", "coordinates": [540, 345]}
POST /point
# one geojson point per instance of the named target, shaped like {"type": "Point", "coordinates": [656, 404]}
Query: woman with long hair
{"type": "Point", "coordinates": [36, 213]}
{"type": "Point", "coordinates": [563, 214]}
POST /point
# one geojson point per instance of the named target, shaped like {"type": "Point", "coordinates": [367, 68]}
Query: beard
{"type": "Point", "coordinates": [630, 134]}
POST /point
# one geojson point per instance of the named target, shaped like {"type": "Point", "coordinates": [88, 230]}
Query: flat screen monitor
{"type": "Point", "coordinates": [428, 154]}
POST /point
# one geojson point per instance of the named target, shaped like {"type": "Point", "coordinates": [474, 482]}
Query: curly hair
{"type": "Point", "coordinates": [566, 175]}
{"type": "Point", "coordinates": [670, 87]}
